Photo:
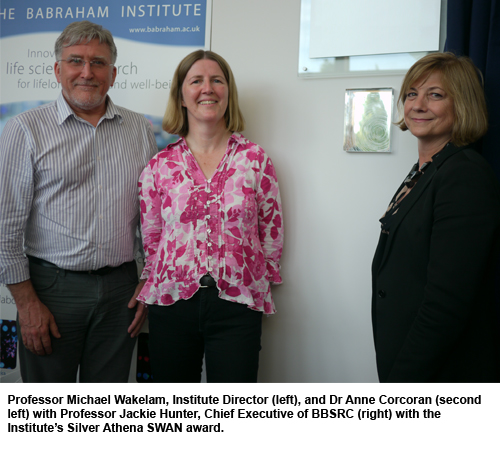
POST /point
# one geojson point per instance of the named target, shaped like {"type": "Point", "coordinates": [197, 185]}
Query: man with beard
{"type": "Point", "coordinates": [70, 211]}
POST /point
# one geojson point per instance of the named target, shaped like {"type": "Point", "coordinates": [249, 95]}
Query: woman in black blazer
{"type": "Point", "coordinates": [433, 272]}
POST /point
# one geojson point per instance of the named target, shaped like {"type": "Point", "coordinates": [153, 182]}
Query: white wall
{"type": "Point", "coordinates": [332, 200]}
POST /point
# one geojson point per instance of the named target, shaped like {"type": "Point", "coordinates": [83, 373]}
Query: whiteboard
{"type": "Point", "coordinates": [365, 27]}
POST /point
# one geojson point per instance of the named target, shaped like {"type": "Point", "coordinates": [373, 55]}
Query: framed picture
{"type": "Point", "coordinates": [367, 120]}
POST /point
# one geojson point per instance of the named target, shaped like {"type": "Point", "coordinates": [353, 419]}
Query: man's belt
{"type": "Point", "coordinates": [100, 272]}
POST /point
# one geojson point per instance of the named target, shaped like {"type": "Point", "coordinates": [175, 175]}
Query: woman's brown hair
{"type": "Point", "coordinates": [463, 83]}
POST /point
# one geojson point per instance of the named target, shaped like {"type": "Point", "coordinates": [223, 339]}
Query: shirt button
{"type": "Point", "coordinates": [207, 216]}
{"type": "Point", "coordinates": [209, 244]}
{"type": "Point", "coordinates": [209, 230]}
{"type": "Point", "coordinates": [209, 257]}
{"type": "Point", "coordinates": [381, 293]}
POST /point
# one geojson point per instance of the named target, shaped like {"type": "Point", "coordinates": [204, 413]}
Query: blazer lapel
{"type": "Point", "coordinates": [416, 193]}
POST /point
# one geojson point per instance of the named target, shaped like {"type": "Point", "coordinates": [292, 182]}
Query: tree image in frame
{"type": "Point", "coordinates": [373, 134]}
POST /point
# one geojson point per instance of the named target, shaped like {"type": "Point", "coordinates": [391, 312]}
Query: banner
{"type": "Point", "coordinates": [151, 38]}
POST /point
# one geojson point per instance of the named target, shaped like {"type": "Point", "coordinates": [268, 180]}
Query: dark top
{"type": "Point", "coordinates": [433, 305]}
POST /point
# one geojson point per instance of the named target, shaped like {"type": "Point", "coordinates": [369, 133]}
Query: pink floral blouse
{"type": "Point", "coordinates": [230, 225]}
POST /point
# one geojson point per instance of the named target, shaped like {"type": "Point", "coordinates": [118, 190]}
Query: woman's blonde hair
{"type": "Point", "coordinates": [462, 81]}
{"type": "Point", "coordinates": [175, 120]}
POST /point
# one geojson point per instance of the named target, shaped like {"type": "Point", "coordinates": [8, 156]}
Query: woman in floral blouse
{"type": "Point", "coordinates": [212, 230]}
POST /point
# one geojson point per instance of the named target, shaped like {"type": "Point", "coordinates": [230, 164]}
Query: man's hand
{"type": "Point", "coordinates": [141, 312]}
{"type": "Point", "coordinates": [37, 322]}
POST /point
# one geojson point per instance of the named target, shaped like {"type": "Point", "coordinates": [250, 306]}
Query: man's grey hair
{"type": "Point", "coordinates": [82, 33]}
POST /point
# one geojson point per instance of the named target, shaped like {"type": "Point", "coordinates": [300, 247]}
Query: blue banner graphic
{"type": "Point", "coordinates": [173, 23]}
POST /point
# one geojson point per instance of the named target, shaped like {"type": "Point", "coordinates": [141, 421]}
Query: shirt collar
{"type": "Point", "coordinates": [235, 137]}
{"type": "Point", "coordinates": [64, 110]}
{"type": "Point", "coordinates": [238, 138]}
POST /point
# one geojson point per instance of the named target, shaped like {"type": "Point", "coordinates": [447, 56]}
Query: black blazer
{"type": "Point", "coordinates": [433, 276]}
